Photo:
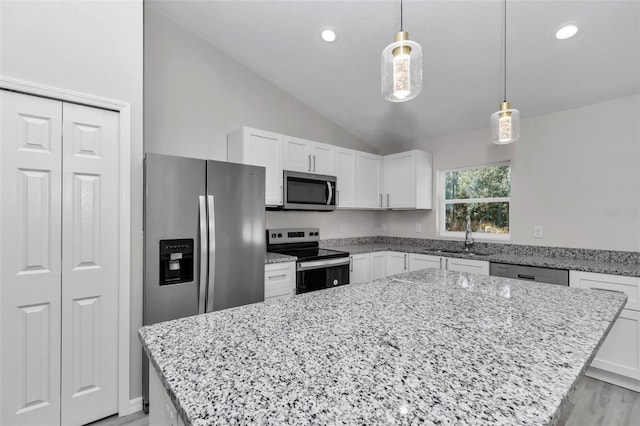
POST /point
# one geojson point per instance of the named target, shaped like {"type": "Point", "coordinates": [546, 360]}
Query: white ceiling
{"type": "Point", "coordinates": [462, 56]}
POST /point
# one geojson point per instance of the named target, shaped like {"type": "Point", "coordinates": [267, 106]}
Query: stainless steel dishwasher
{"type": "Point", "coordinates": [530, 273]}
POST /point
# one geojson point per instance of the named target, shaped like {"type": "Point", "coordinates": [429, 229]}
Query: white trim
{"type": "Point", "coordinates": [135, 405]}
{"type": "Point", "coordinates": [124, 258]}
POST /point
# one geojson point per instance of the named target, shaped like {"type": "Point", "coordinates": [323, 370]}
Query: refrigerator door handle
{"type": "Point", "coordinates": [202, 279]}
{"type": "Point", "coordinates": [211, 214]}
{"type": "Point", "coordinates": [330, 193]}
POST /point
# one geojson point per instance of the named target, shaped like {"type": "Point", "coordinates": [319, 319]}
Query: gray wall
{"type": "Point", "coordinates": [576, 173]}
{"type": "Point", "coordinates": [93, 48]}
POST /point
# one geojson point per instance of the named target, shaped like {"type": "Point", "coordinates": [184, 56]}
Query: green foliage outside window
{"type": "Point", "coordinates": [487, 190]}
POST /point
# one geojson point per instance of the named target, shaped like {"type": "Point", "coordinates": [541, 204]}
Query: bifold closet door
{"type": "Point", "coordinates": [30, 253]}
{"type": "Point", "coordinates": [59, 229]}
{"type": "Point", "coordinates": [90, 229]}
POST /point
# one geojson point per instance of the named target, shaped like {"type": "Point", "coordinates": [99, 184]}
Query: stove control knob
{"type": "Point", "coordinates": [335, 282]}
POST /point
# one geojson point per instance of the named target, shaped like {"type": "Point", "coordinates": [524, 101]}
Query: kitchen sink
{"type": "Point", "coordinates": [468, 253]}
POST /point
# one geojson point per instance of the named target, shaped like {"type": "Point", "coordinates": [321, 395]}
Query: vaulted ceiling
{"type": "Point", "coordinates": [462, 56]}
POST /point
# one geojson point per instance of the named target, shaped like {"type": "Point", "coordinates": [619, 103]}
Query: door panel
{"type": "Point", "coordinates": [89, 264]}
{"type": "Point", "coordinates": [30, 239]}
{"type": "Point", "coordinates": [237, 237]}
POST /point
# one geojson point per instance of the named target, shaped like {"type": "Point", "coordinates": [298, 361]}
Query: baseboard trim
{"type": "Point", "coordinates": [135, 405]}
{"type": "Point", "coordinates": [614, 379]}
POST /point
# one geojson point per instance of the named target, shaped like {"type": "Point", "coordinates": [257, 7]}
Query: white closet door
{"type": "Point", "coordinates": [89, 264]}
{"type": "Point", "coordinates": [30, 280]}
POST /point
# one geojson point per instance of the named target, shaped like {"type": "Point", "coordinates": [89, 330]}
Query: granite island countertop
{"type": "Point", "coordinates": [426, 347]}
{"type": "Point", "coordinates": [556, 262]}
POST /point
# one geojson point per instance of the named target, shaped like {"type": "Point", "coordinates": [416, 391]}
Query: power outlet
{"type": "Point", "coordinates": [341, 228]}
{"type": "Point", "coordinates": [418, 227]}
{"type": "Point", "coordinates": [537, 231]}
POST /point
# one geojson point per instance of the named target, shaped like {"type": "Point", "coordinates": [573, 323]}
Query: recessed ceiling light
{"type": "Point", "coordinates": [566, 32]}
{"type": "Point", "coordinates": [328, 35]}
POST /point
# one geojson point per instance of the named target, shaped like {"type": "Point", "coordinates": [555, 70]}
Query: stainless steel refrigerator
{"type": "Point", "coordinates": [204, 239]}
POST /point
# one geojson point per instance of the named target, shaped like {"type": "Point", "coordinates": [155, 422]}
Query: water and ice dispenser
{"type": "Point", "coordinates": [176, 261]}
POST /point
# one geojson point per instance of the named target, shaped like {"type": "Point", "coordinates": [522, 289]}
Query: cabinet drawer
{"type": "Point", "coordinates": [279, 280]}
{"type": "Point", "coordinates": [628, 285]}
{"type": "Point", "coordinates": [480, 267]}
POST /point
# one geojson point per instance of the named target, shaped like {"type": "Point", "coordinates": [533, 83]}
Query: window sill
{"type": "Point", "coordinates": [476, 236]}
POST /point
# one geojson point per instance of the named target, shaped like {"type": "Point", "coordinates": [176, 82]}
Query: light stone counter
{"type": "Point", "coordinates": [430, 347]}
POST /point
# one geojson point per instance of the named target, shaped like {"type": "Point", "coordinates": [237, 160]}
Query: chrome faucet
{"type": "Point", "coordinates": [468, 239]}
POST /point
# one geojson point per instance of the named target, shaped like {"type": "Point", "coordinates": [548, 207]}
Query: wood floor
{"type": "Point", "coordinates": [594, 403]}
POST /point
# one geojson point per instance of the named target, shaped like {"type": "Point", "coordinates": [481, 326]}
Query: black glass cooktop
{"type": "Point", "coordinates": [309, 253]}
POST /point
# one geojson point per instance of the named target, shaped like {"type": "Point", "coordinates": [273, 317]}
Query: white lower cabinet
{"type": "Point", "coordinates": [618, 360]}
{"type": "Point", "coordinates": [359, 270]}
{"type": "Point", "coordinates": [397, 263]}
{"type": "Point", "coordinates": [378, 265]}
{"type": "Point", "coordinates": [480, 267]}
{"type": "Point", "coordinates": [279, 280]}
{"type": "Point", "coordinates": [424, 261]}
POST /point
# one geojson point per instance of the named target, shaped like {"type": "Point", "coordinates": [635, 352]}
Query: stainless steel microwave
{"type": "Point", "coordinates": [307, 191]}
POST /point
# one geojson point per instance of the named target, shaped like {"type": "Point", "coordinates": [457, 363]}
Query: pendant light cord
{"type": "Point", "coordinates": [401, 16]}
{"type": "Point", "coordinates": [505, 51]}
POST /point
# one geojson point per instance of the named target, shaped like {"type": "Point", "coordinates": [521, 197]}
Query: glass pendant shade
{"type": "Point", "coordinates": [505, 124]}
{"type": "Point", "coordinates": [401, 69]}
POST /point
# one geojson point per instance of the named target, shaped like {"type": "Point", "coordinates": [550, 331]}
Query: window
{"type": "Point", "coordinates": [483, 193]}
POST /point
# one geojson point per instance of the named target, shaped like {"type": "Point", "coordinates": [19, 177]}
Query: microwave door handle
{"type": "Point", "coordinates": [330, 193]}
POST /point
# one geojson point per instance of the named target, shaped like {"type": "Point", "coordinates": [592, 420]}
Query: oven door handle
{"type": "Point", "coordinates": [317, 264]}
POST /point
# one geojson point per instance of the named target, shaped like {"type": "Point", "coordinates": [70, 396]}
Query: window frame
{"type": "Point", "coordinates": [442, 202]}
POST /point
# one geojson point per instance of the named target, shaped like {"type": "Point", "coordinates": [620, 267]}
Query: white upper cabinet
{"type": "Point", "coordinates": [307, 156]}
{"type": "Point", "coordinates": [259, 148]}
{"type": "Point", "coordinates": [408, 180]}
{"type": "Point", "coordinates": [346, 174]}
{"type": "Point", "coordinates": [368, 180]}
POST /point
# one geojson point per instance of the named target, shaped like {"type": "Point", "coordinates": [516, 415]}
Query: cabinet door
{"type": "Point", "coordinates": [297, 154]}
{"type": "Point", "coordinates": [378, 265]}
{"type": "Point", "coordinates": [323, 159]}
{"type": "Point", "coordinates": [423, 261]}
{"type": "Point", "coordinates": [279, 281]}
{"type": "Point", "coordinates": [620, 352]}
{"type": "Point", "coordinates": [397, 263]}
{"type": "Point", "coordinates": [359, 268]}
{"type": "Point", "coordinates": [399, 189]}
{"type": "Point", "coordinates": [368, 179]}
{"type": "Point", "coordinates": [346, 174]}
{"type": "Point", "coordinates": [480, 267]}
{"type": "Point", "coordinates": [30, 266]}
{"type": "Point", "coordinates": [628, 285]}
{"type": "Point", "coordinates": [260, 148]}
{"type": "Point", "coordinates": [89, 264]}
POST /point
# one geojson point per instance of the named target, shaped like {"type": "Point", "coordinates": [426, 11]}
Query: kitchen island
{"type": "Point", "coordinates": [432, 347]}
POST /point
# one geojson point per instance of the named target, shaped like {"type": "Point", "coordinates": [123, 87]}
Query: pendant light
{"type": "Point", "coordinates": [401, 67]}
{"type": "Point", "coordinates": [505, 123]}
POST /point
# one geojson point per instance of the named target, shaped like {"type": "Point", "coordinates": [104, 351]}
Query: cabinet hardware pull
{"type": "Point", "coordinates": [350, 263]}
{"type": "Point", "coordinates": [526, 277]}
{"type": "Point", "coordinates": [314, 163]}
{"type": "Point", "coordinates": [405, 260]}
{"type": "Point", "coordinates": [380, 200]}
{"type": "Point", "coordinates": [387, 200]}
{"type": "Point", "coordinates": [446, 264]}
{"type": "Point", "coordinates": [440, 263]}
{"type": "Point", "coordinates": [309, 162]}
{"type": "Point", "coordinates": [273, 277]}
